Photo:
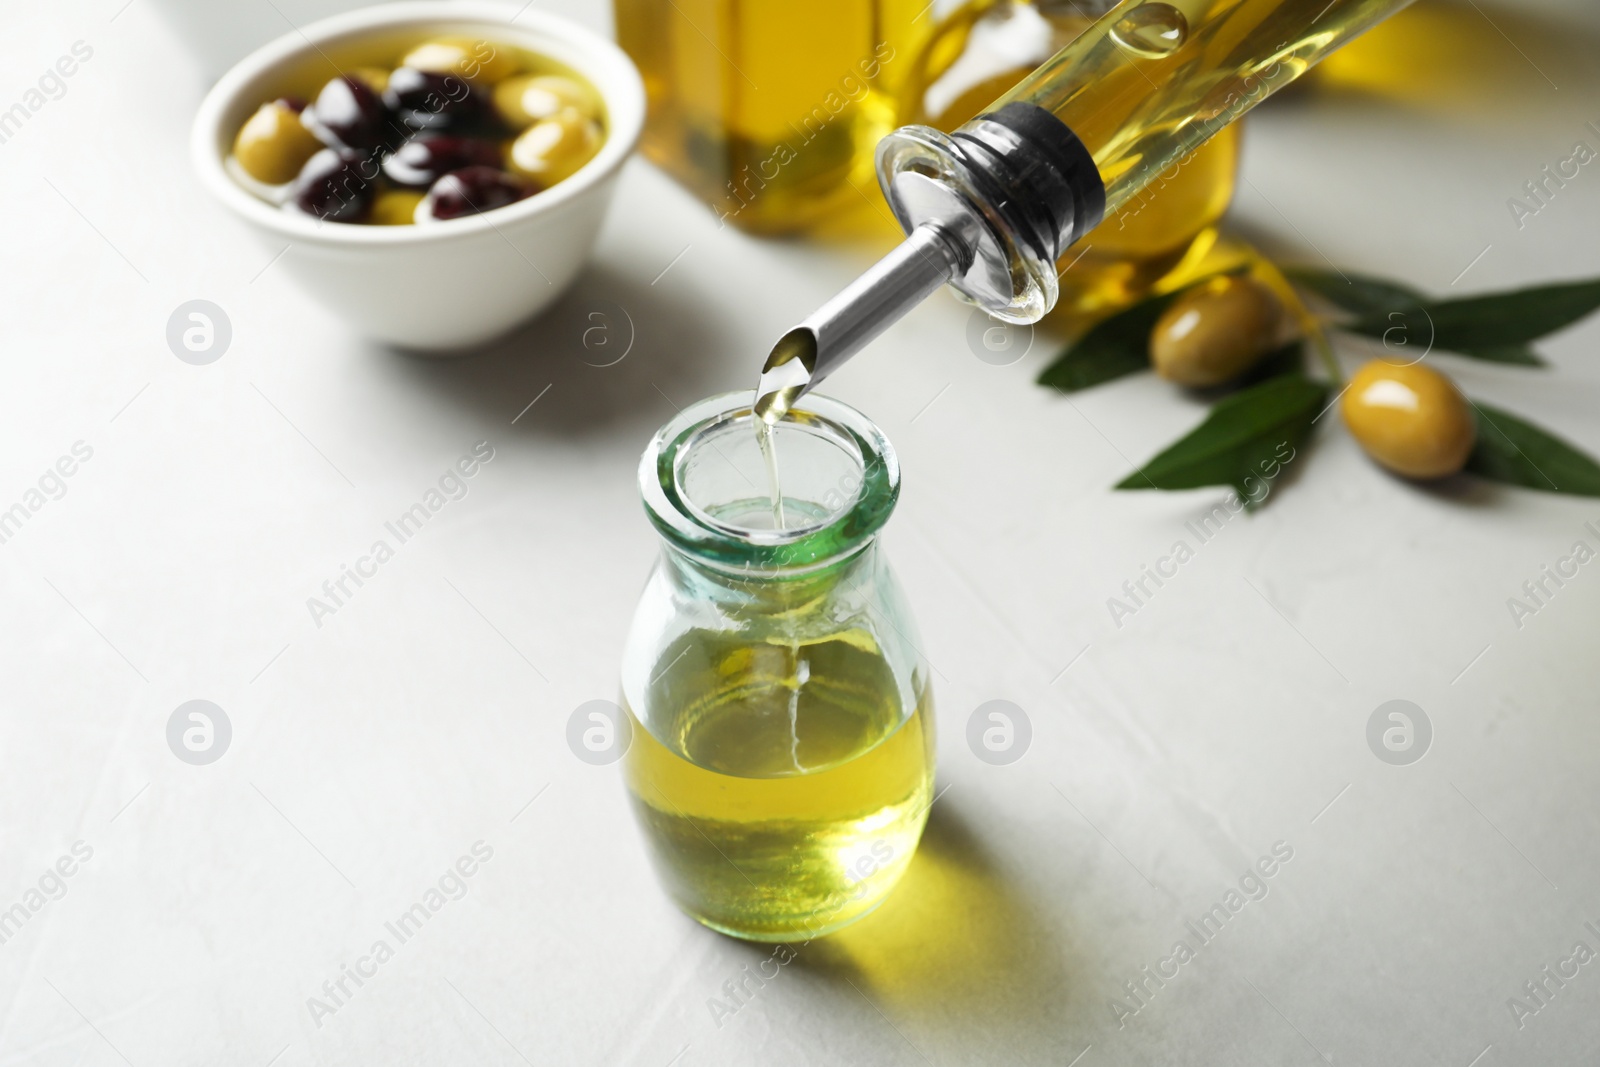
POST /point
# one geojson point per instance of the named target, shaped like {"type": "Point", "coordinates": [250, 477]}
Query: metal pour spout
{"type": "Point", "coordinates": [932, 255]}
{"type": "Point", "coordinates": [987, 210]}
{"type": "Point", "coordinates": [991, 207]}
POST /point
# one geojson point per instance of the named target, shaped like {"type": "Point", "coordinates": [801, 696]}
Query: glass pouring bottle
{"type": "Point", "coordinates": [983, 49]}
{"type": "Point", "coordinates": [781, 765]}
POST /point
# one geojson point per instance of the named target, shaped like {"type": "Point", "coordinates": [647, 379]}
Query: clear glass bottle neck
{"type": "Point", "coordinates": [746, 591]}
{"type": "Point", "coordinates": [707, 489]}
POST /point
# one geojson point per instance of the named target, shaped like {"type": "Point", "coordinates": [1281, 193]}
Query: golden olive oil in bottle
{"type": "Point", "coordinates": [783, 787]}
{"type": "Point", "coordinates": [1148, 84]}
{"type": "Point", "coordinates": [981, 51]}
{"type": "Point", "coordinates": [768, 110]}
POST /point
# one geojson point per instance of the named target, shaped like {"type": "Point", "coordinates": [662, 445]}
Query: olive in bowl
{"type": "Point", "coordinates": [408, 119]}
{"type": "Point", "coordinates": [371, 231]}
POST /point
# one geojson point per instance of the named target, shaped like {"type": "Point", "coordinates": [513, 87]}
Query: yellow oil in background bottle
{"type": "Point", "coordinates": [768, 110]}
{"type": "Point", "coordinates": [1449, 57]}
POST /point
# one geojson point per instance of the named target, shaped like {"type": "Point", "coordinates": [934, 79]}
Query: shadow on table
{"type": "Point", "coordinates": [953, 947]}
{"type": "Point", "coordinates": [613, 353]}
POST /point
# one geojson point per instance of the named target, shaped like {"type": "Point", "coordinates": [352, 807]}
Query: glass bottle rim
{"type": "Point", "coordinates": [693, 530]}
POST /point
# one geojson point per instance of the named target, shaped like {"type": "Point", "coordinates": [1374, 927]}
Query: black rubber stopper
{"type": "Point", "coordinates": [1049, 187]}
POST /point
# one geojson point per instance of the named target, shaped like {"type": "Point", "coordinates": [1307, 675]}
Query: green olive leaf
{"type": "Point", "coordinates": [1112, 348]}
{"type": "Point", "coordinates": [1491, 323]}
{"type": "Point", "coordinates": [1516, 452]}
{"type": "Point", "coordinates": [1496, 327]}
{"type": "Point", "coordinates": [1359, 293]}
{"type": "Point", "coordinates": [1115, 346]}
{"type": "Point", "coordinates": [1247, 438]}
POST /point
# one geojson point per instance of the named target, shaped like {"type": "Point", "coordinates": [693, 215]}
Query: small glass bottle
{"type": "Point", "coordinates": [781, 764]}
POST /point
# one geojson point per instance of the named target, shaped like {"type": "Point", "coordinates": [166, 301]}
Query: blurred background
{"type": "Point", "coordinates": [367, 752]}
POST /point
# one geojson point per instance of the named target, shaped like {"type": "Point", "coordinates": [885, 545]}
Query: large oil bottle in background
{"type": "Point", "coordinates": [768, 110]}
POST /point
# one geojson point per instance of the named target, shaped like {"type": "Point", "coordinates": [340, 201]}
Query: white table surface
{"type": "Point", "coordinates": [368, 754]}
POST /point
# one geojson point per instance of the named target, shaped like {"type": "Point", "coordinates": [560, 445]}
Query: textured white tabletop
{"type": "Point", "coordinates": [423, 720]}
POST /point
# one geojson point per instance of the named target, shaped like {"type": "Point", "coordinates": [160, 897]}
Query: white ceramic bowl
{"type": "Point", "coordinates": [220, 33]}
{"type": "Point", "coordinates": [444, 286]}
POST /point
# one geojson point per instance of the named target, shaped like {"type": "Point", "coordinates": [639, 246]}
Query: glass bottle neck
{"type": "Point", "coordinates": [766, 590]}
{"type": "Point", "coordinates": [707, 487]}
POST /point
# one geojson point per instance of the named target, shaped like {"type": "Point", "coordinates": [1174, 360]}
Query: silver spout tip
{"type": "Point", "coordinates": [898, 282]}
{"type": "Point", "coordinates": [786, 375]}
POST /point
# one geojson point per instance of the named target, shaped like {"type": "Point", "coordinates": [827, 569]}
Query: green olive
{"type": "Point", "coordinates": [554, 148]}
{"type": "Point", "coordinates": [1216, 331]}
{"type": "Point", "coordinates": [1410, 418]}
{"type": "Point", "coordinates": [273, 145]}
{"type": "Point", "coordinates": [530, 98]}
{"type": "Point", "coordinates": [395, 207]}
{"type": "Point", "coordinates": [472, 58]}
{"type": "Point", "coordinates": [376, 78]}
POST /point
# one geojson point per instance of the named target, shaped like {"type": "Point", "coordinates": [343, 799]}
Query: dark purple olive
{"type": "Point", "coordinates": [348, 114]}
{"type": "Point", "coordinates": [473, 190]}
{"type": "Point", "coordinates": [425, 100]}
{"type": "Point", "coordinates": [293, 103]}
{"type": "Point", "coordinates": [337, 185]}
{"type": "Point", "coordinates": [429, 156]}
